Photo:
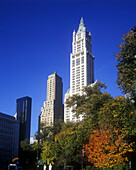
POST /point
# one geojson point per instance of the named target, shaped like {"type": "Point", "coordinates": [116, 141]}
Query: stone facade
{"type": "Point", "coordinates": [53, 107]}
{"type": "Point", "coordinates": [81, 67]}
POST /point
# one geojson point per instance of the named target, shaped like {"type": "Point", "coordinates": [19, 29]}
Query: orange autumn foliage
{"type": "Point", "coordinates": [106, 149]}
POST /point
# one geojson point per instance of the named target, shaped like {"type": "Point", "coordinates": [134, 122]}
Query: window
{"type": "Point", "coordinates": [79, 36]}
{"type": "Point", "coordinates": [73, 63]}
{"type": "Point", "coordinates": [82, 44]}
{"type": "Point", "coordinates": [77, 61]}
{"type": "Point", "coordinates": [82, 60]}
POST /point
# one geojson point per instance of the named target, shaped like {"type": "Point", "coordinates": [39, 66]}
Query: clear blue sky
{"type": "Point", "coordinates": [36, 40]}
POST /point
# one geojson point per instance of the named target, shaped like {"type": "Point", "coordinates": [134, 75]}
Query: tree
{"type": "Point", "coordinates": [25, 146]}
{"type": "Point", "coordinates": [126, 58]}
{"type": "Point", "coordinates": [47, 133]}
{"type": "Point", "coordinates": [46, 141]}
{"type": "Point", "coordinates": [119, 114]}
{"type": "Point", "coordinates": [48, 152]}
{"type": "Point", "coordinates": [102, 112]}
{"type": "Point", "coordinates": [68, 149]}
{"type": "Point", "coordinates": [28, 153]}
{"type": "Point", "coordinates": [90, 102]}
{"type": "Point", "coordinates": [106, 149]}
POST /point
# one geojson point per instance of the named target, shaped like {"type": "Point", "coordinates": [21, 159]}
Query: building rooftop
{"type": "Point", "coordinates": [81, 25]}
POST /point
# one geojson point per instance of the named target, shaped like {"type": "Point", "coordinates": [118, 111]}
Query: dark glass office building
{"type": "Point", "coordinates": [23, 110]}
{"type": "Point", "coordinates": [9, 139]}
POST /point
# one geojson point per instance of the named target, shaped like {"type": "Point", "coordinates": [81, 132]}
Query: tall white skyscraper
{"type": "Point", "coordinates": [53, 107]}
{"type": "Point", "coordinates": [81, 67]}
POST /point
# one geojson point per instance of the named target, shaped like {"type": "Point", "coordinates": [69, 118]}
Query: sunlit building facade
{"type": "Point", "coordinates": [81, 67]}
{"type": "Point", "coordinates": [53, 108]}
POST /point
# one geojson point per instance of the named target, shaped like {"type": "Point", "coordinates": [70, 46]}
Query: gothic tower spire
{"type": "Point", "coordinates": [81, 68]}
{"type": "Point", "coordinates": [81, 25]}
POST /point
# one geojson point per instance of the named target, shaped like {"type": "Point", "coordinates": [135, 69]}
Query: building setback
{"type": "Point", "coordinates": [9, 138]}
{"type": "Point", "coordinates": [23, 115]}
{"type": "Point", "coordinates": [53, 107]}
{"type": "Point", "coordinates": [81, 67]}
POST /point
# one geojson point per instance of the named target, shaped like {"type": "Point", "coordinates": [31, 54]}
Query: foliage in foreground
{"type": "Point", "coordinates": [126, 58]}
{"type": "Point", "coordinates": [28, 153]}
{"type": "Point", "coordinates": [48, 152]}
{"type": "Point", "coordinates": [106, 149]}
{"type": "Point", "coordinates": [108, 132]}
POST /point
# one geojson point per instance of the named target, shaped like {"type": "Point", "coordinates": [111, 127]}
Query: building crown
{"type": "Point", "coordinates": [81, 25]}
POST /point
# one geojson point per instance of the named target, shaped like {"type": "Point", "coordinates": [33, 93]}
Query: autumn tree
{"type": "Point", "coordinates": [126, 58]}
{"type": "Point", "coordinates": [106, 149]}
{"type": "Point", "coordinates": [119, 114]}
{"type": "Point", "coordinates": [108, 123]}
{"type": "Point", "coordinates": [102, 112]}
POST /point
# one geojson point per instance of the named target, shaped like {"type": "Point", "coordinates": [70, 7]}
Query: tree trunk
{"type": "Point", "coordinates": [65, 164]}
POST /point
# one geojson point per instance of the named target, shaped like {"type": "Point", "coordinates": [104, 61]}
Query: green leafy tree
{"type": "Point", "coordinates": [28, 154]}
{"type": "Point", "coordinates": [48, 152]}
{"type": "Point", "coordinates": [68, 149]}
{"type": "Point", "coordinates": [91, 100]}
{"type": "Point", "coordinates": [88, 104]}
{"type": "Point", "coordinates": [119, 114]}
{"type": "Point", "coordinates": [102, 112]}
{"type": "Point", "coordinates": [47, 141]}
{"type": "Point", "coordinates": [48, 133]}
{"type": "Point", "coordinates": [43, 133]}
{"type": "Point", "coordinates": [24, 152]}
{"type": "Point", "coordinates": [25, 146]}
{"type": "Point", "coordinates": [126, 58]}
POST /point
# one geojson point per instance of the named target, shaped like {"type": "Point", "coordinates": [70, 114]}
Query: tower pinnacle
{"type": "Point", "coordinates": [81, 25]}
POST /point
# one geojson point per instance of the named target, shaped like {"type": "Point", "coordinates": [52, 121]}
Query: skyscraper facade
{"type": "Point", "coordinates": [9, 139]}
{"type": "Point", "coordinates": [23, 115]}
{"type": "Point", "coordinates": [53, 107]}
{"type": "Point", "coordinates": [81, 67]}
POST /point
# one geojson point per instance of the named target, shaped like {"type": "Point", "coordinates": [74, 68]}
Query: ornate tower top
{"type": "Point", "coordinates": [81, 25]}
